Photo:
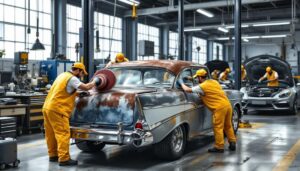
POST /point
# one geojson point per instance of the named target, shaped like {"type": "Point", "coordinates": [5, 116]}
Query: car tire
{"type": "Point", "coordinates": [236, 119]}
{"type": "Point", "coordinates": [173, 146]}
{"type": "Point", "coordinates": [89, 146]}
{"type": "Point", "coordinates": [294, 110]}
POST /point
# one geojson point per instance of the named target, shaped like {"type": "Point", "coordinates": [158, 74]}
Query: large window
{"type": "Point", "coordinates": [73, 25]}
{"type": "Point", "coordinates": [173, 44]}
{"type": "Point", "coordinates": [217, 51]}
{"type": "Point", "coordinates": [110, 33]}
{"type": "Point", "coordinates": [199, 51]}
{"type": "Point", "coordinates": [150, 33]}
{"type": "Point", "coordinates": [13, 21]}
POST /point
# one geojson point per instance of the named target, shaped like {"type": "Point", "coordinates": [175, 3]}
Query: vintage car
{"type": "Point", "coordinates": [146, 107]}
{"type": "Point", "coordinates": [260, 97]}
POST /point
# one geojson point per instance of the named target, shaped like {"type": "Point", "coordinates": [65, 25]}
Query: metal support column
{"type": "Point", "coordinates": [59, 36]}
{"type": "Point", "coordinates": [209, 50]}
{"type": "Point", "coordinates": [129, 35]}
{"type": "Point", "coordinates": [88, 36]}
{"type": "Point", "coordinates": [237, 44]}
{"type": "Point", "coordinates": [189, 48]}
{"type": "Point", "coordinates": [181, 30]}
{"type": "Point", "coordinates": [164, 42]}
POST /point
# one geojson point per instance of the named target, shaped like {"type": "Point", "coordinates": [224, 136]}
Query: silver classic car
{"type": "Point", "coordinates": [146, 107]}
{"type": "Point", "coordinates": [260, 97]}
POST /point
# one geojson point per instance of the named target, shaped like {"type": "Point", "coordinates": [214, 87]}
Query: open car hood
{"type": "Point", "coordinates": [256, 68]}
{"type": "Point", "coordinates": [217, 64]}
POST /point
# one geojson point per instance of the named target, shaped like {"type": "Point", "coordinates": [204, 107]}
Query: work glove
{"type": "Point", "coordinates": [97, 81]}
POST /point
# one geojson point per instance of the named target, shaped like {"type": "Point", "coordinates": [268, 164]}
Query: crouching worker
{"type": "Point", "coordinates": [216, 100]}
{"type": "Point", "coordinates": [57, 110]}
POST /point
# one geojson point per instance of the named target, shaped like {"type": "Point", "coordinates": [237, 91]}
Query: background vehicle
{"type": "Point", "coordinates": [146, 107]}
{"type": "Point", "coordinates": [260, 97]}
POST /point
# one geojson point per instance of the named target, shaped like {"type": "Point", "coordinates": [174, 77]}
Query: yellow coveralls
{"type": "Point", "coordinates": [57, 110]}
{"type": "Point", "coordinates": [216, 100]}
{"type": "Point", "coordinates": [214, 75]}
{"type": "Point", "coordinates": [224, 76]}
{"type": "Point", "coordinates": [243, 75]}
{"type": "Point", "coordinates": [271, 77]}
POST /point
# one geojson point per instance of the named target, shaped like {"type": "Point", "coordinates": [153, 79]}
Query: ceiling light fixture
{"type": "Point", "coordinates": [223, 29]}
{"type": "Point", "coordinates": [232, 26]}
{"type": "Point", "coordinates": [274, 36]}
{"type": "Point", "coordinates": [271, 24]}
{"type": "Point", "coordinates": [206, 13]}
{"type": "Point", "coordinates": [192, 29]}
{"type": "Point", "coordinates": [245, 40]}
{"type": "Point", "coordinates": [131, 2]}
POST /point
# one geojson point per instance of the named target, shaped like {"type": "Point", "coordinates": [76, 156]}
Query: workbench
{"type": "Point", "coordinates": [18, 111]}
{"type": "Point", "coordinates": [33, 118]}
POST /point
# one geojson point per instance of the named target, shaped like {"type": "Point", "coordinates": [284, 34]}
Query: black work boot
{"type": "Point", "coordinates": [215, 150]}
{"type": "Point", "coordinates": [232, 146]}
{"type": "Point", "coordinates": [53, 159]}
{"type": "Point", "coordinates": [69, 162]}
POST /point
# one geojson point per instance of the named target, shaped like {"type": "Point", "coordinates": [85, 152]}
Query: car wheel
{"type": "Point", "coordinates": [235, 119]}
{"type": "Point", "coordinates": [89, 146]}
{"type": "Point", "coordinates": [294, 110]}
{"type": "Point", "coordinates": [172, 147]}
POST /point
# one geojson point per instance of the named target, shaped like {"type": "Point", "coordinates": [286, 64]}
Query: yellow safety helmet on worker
{"type": "Point", "coordinates": [120, 57]}
{"type": "Point", "coordinates": [200, 73]}
{"type": "Point", "coordinates": [81, 66]}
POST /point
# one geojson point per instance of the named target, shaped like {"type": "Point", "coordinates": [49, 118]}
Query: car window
{"type": "Point", "coordinates": [143, 77]}
{"type": "Point", "coordinates": [185, 75]}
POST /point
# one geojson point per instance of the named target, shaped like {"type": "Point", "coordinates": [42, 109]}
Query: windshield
{"type": "Point", "coordinates": [143, 77]}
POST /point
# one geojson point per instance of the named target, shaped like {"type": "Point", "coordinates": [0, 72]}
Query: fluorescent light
{"type": "Point", "coordinates": [131, 2]}
{"type": "Point", "coordinates": [223, 38]}
{"type": "Point", "coordinates": [274, 36]}
{"type": "Point", "coordinates": [246, 40]}
{"type": "Point", "coordinates": [206, 13]}
{"type": "Point", "coordinates": [223, 29]}
{"type": "Point", "coordinates": [250, 37]}
{"type": "Point", "coordinates": [232, 26]}
{"type": "Point", "coordinates": [192, 29]}
{"type": "Point", "coordinates": [271, 24]}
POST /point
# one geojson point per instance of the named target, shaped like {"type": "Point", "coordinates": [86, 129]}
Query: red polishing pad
{"type": "Point", "coordinates": [108, 79]}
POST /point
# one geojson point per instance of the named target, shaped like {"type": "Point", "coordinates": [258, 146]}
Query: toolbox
{"type": "Point", "coordinates": [8, 149]}
{"type": "Point", "coordinates": [8, 127]}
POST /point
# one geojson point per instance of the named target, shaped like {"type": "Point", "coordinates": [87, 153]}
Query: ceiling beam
{"type": "Point", "coordinates": [192, 6]}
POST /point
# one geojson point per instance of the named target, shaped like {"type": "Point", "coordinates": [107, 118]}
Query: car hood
{"type": "Point", "coordinates": [256, 68]}
{"type": "Point", "coordinates": [217, 64]}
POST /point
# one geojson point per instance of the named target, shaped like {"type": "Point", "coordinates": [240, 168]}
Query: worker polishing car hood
{"type": "Point", "coordinates": [256, 68]}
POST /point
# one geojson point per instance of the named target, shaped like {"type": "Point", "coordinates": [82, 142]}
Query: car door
{"type": "Point", "coordinates": [207, 116]}
{"type": "Point", "coordinates": [194, 105]}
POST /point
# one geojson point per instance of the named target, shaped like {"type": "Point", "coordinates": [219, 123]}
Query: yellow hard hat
{"type": "Point", "coordinates": [80, 66]}
{"type": "Point", "coordinates": [228, 70]}
{"type": "Point", "coordinates": [120, 57]}
{"type": "Point", "coordinates": [242, 67]}
{"type": "Point", "coordinates": [268, 69]}
{"type": "Point", "coordinates": [200, 73]}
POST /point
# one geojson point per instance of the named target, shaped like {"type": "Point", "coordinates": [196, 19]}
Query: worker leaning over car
{"type": "Point", "coordinates": [224, 75]}
{"type": "Point", "coordinates": [243, 73]}
{"type": "Point", "coordinates": [120, 57]}
{"type": "Point", "coordinates": [272, 77]}
{"type": "Point", "coordinates": [215, 74]}
{"type": "Point", "coordinates": [216, 100]}
{"type": "Point", "coordinates": [57, 110]}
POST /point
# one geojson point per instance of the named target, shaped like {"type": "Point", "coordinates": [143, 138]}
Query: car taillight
{"type": "Point", "coordinates": [138, 125]}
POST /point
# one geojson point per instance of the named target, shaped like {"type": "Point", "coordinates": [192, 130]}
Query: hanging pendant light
{"type": "Point", "coordinates": [37, 44]}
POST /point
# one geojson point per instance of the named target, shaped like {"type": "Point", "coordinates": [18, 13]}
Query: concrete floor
{"type": "Point", "coordinates": [272, 145]}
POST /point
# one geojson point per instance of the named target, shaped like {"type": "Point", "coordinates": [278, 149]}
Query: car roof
{"type": "Point", "coordinates": [175, 66]}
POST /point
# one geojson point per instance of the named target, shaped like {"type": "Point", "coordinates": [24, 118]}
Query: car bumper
{"type": "Point", "coordinates": [138, 138]}
{"type": "Point", "coordinates": [267, 104]}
